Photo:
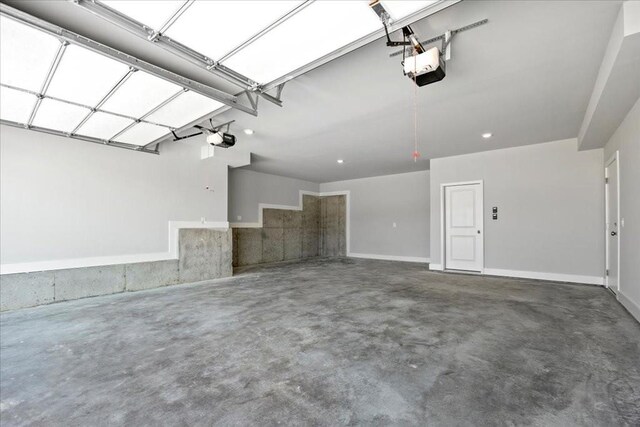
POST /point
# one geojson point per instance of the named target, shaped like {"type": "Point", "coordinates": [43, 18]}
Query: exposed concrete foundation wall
{"type": "Point", "coordinates": [26, 290]}
{"type": "Point", "coordinates": [333, 218]}
{"type": "Point", "coordinates": [149, 275]}
{"type": "Point", "coordinates": [285, 235]}
{"type": "Point", "coordinates": [318, 230]}
{"type": "Point", "coordinates": [76, 283]}
{"type": "Point", "coordinates": [310, 226]}
{"type": "Point", "coordinates": [205, 254]}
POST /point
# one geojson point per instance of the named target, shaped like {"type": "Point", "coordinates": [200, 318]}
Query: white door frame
{"type": "Point", "coordinates": [443, 216]}
{"type": "Point", "coordinates": [614, 157]}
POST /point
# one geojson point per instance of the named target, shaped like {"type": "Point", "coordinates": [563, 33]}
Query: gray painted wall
{"type": "Point", "coordinates": [627, 140]}
{"type": "Point", "coordinates": [551, 206]}
{"type": "Point", "coordinates": [376, 203]}
{"type": "Point", "coordinates": [64, 199]}
{"type": "Point", "coordinates": [247, 189]}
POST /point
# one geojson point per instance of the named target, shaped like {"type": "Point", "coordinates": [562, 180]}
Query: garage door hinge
{"type": "Point", "coordinates": [606, 180]}
{"type": "Point", "coordinates": [607, 272]}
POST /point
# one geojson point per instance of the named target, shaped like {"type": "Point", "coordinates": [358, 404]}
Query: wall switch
{"type": "Point", "coordinates": [239, 217]}
{"type": "Point", "coordinates": [394, 225]}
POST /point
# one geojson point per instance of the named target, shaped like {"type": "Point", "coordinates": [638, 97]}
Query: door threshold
{"type": "Point", "coordinates": [476, 273]}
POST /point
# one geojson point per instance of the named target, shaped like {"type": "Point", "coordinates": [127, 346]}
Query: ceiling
{"type": "Point", "coordinates": [526, 77]}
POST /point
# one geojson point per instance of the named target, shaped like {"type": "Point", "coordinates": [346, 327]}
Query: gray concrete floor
{"type": "Point", "coordinates": [326, 342]}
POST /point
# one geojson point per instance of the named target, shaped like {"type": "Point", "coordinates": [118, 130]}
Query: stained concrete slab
{"type": "Point", "coordinates": [149, 275]}
{"type": "Point", "coordinates": [77, 283]}
{"type": "Point", "coordinates": [272, 244]}
{"type": "Point", "coordinates": [26, 290]}
{"type": "Point", "coordinates": [326, 342]}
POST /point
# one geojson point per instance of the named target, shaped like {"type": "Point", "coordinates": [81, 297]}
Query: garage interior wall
{"type": "Point", "coordinates": [373, 205]}
{"type": "Point", "coordinates": [550, 200]}
{"type": "Point", "coordinates": [65, 199]}
{"type": "Point", "coordinates": [379, 202]}
{"type": "Point", "coordinates": [626, 140]}
{"type": "Point", "coordinates": [247, 189]}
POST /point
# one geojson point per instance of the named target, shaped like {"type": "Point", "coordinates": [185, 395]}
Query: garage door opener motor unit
{"type": "Point", "coordinates": [423, 66]}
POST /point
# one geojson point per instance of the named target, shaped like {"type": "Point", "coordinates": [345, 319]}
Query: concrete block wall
{"type": "Point", "coordinates": [205, 254]}
{"type": "Point", "coordinates": [318, 230]}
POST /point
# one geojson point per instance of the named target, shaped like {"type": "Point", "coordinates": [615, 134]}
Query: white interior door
{"type": "Point", "coordinates": [464, 248]}
{"type": "Point", "coordinates": [612, 228]}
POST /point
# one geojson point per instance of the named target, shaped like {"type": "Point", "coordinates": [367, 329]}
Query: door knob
{"type": "Point", "coordinates": [613, 233]}
{"type": "Point", "coordinates": [478, 231]}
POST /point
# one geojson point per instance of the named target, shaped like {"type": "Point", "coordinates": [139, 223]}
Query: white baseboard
{"type": "Point", "coordinates": [390, 257]}
{"type": "Point", "coordinates": [556, 277]}
{"type": "Point", "coordinates": [631, 306]}
{"type": "Point", "coordinates": [61, 264]}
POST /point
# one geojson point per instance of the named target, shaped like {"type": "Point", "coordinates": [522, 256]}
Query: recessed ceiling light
{"type": "Point", "coordinates": [340, 161]}
{"type": "Point", "coordinates": [487, 135]}
{"type": "Point", "coordinates": [248, 131]}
